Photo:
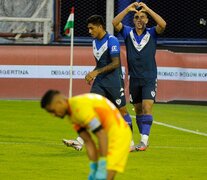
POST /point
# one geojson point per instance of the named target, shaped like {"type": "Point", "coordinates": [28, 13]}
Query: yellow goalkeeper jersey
{"type": "Point", "coordinates": [91, 110]}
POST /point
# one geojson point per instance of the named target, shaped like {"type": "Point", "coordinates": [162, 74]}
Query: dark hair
{"type": "Point", "coordinates": [144, 13]}
{"type": "Point", "coordinates": [48, 97]}
{"type": "Point", "coordinates": [96, 20]}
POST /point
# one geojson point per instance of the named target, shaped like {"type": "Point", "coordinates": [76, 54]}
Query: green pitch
{"type": "Point", "coordinates": [31, 147]}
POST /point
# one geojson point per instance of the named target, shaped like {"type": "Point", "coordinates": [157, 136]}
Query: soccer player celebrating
{"type": "Point", "coordinates": [140, 44]}
{"type": "Point", "coordinates": [96, 114]}
{"type": "Point", "coordinates": [107, 73]}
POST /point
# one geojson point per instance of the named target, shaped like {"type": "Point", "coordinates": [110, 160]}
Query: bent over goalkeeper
{"type": "Point", "coordinates": [104, 120]}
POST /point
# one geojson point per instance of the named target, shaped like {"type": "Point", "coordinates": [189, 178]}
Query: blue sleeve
{"type": "Point", "coordinates": [114, 46]}
{"type": "Point", "coordinates": [125, 31]}
{"type": "Point", "coordinates": [152, 32]}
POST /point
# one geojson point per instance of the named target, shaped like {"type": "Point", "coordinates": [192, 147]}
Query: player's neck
{"type": "Point", "coordinates": [140, 31]}
{"type": "Point", "coordinates": [101, 35]}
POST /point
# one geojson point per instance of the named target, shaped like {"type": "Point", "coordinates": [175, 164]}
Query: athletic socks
{"type": "Point", "coordinates": [128, 120]}
{"type": "Point", "coordinates": [144, 139]}
{"type": "Point", "coordinates": [139, 123]}
{"type": "Point", "coordinates": [144, 123]}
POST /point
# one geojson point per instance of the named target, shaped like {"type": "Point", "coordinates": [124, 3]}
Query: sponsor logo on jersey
{"type": "Point", "coordinates": [114, 48]}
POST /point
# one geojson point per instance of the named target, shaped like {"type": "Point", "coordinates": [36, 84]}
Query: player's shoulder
{"type": "Point", "coordinates": [127, 29]}
{"type": "Point", "coordinates": [112, 38]}
{"type": "Point", "coordinates": [151, 30]}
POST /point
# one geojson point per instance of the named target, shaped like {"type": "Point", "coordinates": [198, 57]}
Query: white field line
{"type": "Point", "coordinates": [178, 128]}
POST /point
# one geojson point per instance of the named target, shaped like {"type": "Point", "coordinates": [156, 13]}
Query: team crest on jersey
{"type": "Point", "coordinates": [98, 53]}
{"type": "Point", "coordinates": [153, 93]}
{"type": "Point", "coordinates": [118, 101]}
{"type": "Point", "coordinates": [143, 42]}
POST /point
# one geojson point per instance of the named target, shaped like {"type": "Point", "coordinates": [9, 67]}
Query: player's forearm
{"type": "Point", "coordinates": [157, 18]}
{"type": "Point", "coordinates": [120, 17]}
{"type": "Point", "coordinates": [102, 142]}
{"type": "Point", "coordinates": [91, 151]}
{"type": "Point", "coordinates": [90, 146]}
{"type": "Point", "coordinates": [113, 65]}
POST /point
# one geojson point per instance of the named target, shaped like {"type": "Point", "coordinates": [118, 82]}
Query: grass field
{"type": "Point", "coordinates": [31, 147]}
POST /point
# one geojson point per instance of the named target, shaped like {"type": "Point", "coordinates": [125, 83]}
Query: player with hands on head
{"type": "Point", "coordinates": [140, 44]}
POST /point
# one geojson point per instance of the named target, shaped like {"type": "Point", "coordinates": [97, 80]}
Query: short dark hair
{"type": "Point", "coordinates": [96, 20]}
{"type": "Point", "coordinates": [144, 13]}
{"type": "Point", "coordinates": [48, 97]}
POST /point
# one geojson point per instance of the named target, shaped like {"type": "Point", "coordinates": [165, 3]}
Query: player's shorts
{"type": "Point", "coordinates": [115, 94]}
{"type": "Point", "coordinates": [119, 140]}
{"type": "Point", "coordinates": [141, 89]}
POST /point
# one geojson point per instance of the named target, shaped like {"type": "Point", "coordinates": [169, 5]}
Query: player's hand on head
{"type": "Point", "coordinates": [143, 6]}
{"type": "Point", "coordinates": [133, 7]}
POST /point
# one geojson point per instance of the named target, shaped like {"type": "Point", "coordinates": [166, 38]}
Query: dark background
{"type": "Point", "coordinates": [182, 17]}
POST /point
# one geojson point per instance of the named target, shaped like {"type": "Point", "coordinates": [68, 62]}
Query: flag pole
{"type": "Point", "coordinates": [71, 62]}
{"type": "Point", "coordinates": [71, 58]}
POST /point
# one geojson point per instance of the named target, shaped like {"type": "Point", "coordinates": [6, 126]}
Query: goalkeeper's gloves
{"type": "Point", "coordinates": [101, 172]}
{"type": "Point", "coordinates": [93, 168]}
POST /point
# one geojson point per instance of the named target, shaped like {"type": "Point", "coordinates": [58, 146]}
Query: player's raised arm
{"type": "Point", "coordinates": [161, 24]}
{"type": "Point", "coordinates": [117, 20]}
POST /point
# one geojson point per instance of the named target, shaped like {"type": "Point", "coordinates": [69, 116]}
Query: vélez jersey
{"type": "Point", "coordinates": [140, 52]}
{"type": "Point", "coordinates": [103, 50]}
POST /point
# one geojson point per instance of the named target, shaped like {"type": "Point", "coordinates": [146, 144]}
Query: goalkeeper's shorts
{"type": "Point", "coordinates": [119, 140]}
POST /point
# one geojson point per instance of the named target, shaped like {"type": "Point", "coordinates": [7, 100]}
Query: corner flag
{"type": "Point", "coordinates": [69, 31]}
{"type": "Point", "coordinates": [70, 23]}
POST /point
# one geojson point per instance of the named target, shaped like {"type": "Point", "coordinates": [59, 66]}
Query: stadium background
{"type": "Point", "coordinates": [182, 46]}
{"type": "Point", "coordinates": [182, 17]}
{"type": "Point", "coordinates": [30, 139]}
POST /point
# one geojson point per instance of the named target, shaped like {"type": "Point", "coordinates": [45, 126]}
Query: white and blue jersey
{"type": "Point", "coordinates": [140, 52]}
{"type": "Point", "coordinates": [104, 50]}
{"type": "Point", "coordinates": [109, 84]}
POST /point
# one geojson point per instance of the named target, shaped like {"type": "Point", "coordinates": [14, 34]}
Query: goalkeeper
{"type": "Point", "coordinates": [104, 120]}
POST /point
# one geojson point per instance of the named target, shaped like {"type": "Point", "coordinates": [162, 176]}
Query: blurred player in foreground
{"type": "Point", "coordinates": [96, 114]}
{"type": "Point", "coordinates": [140, 44]}
{"type": "Point", "coordinates": [107, 75]}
